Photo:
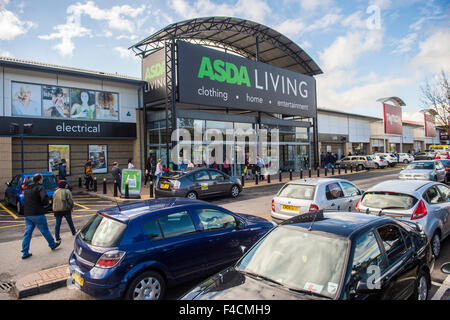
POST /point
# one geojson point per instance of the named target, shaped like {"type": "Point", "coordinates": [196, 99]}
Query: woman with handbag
{"type": "Point", "coordinates": [63, 207]}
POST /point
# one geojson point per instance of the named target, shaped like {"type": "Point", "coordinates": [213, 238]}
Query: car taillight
{"type": "Point", "coordinates": [447, 168]}
{"type": "Point", "coordinates": [273, 205]}
{"type": "Point", "coordinates": [176, 185]}
{"type": "Point", "coordinates": [357, 205]}
{"type": "Point", "coordinates": [22, 187]}
{"type": "Point", "coordinates": [313, 208]}
{"type": "Point", "coordinates": [420, 212]}
{"type": "Point", "coordinates": [110, 259]}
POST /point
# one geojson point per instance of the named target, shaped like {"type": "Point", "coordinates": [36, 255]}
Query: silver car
{"type": "Point", "coordinates": [424, 202]}
{"type": "Point", "coordinates": [305, 195]}
{"type": "Point", "coordinates": [360, 162]}
{"type": "Point", "coordinates": [424, 170]}
{"type": "Point", "coordinates": [380, 161]}
{"type": "Point", "coordinates": [405, 157]}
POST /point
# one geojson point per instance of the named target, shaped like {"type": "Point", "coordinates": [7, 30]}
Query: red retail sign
{"type": "Point", "coordinates": [430, 128]}
{"type": "Point", "coordinates": [392, 119]}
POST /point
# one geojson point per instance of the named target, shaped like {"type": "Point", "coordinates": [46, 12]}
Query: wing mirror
{"type": "Point", "coordinates": [445, 268]}
{"type": "Point", "coordinates": [239, 224]}
{"type": "Point", "coordinates": [8, 184]}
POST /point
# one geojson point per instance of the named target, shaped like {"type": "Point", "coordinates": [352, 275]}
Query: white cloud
{"type": "Point", "coordinates": [4, 53]}
{"type": "Point", "coordinates": [292, 27]}
{"type": "Point", "coordinates": [11, 25]}
{"type": "Point", "coordinates": [413, 116]}
{"type": "Point", "coordinates": [405, 45]}
{"type": "Point", "coordinates": [126, 54]}
{"type": "Point", "coordinates": [434, 52]}
{"type": "Point", "coordinates": [314, 4]}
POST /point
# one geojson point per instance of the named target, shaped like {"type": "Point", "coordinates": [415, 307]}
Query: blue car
{"type": "Point", "coordinates": [16, 187]}
{"type": "Point", "coordinates": [136, 251]}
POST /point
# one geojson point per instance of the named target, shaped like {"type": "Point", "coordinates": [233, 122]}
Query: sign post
{"type": "Point", "coordinates": [133, 177]}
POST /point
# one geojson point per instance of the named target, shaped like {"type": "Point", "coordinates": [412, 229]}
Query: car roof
{"type": "Point", "coordinates": [315, 181]}
{"type": "Point", "coordinates": [27, 174]}
{"type": "Point", "coordinates": [136, 209]}
{"type": "Point", "coordinates": [402, 186]}
{"type": "Point", "coordinates": [342, 224]}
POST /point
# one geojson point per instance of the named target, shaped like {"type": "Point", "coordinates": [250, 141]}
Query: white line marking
{"type": "Point", "coordinates": [445, 285]}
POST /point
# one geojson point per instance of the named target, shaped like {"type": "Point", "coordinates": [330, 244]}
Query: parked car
{"type": "Point", "coordinates": [359, 162]}
{"type": "Point", "coordinates": [138, 250]}
{"type": "Point", "coordinates": [427, 155]}
{"type": "Point", "coordinates": [406, 157]}
{"type": "Point", "coordinates": [380, 161]}
{"type": "Point", "coordinates": [306, 195]}
{"type": "Point", "coordinates": [198, 183]}
{"type": "Point", "coordinates": [15, 189]}
{"type": "Point", "coordinates": [391, 159]}
{"type": "Point", "coordinates": [446, 164]}
{"type": "Point", "coordinates": [341, 256]}
{"type": "Point", "coordinates": [424, 202]}
{"type": "Point", "coordinates": [424, 170]}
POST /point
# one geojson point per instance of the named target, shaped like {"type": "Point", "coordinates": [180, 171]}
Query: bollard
{"type": "Point", "coordinates": [301, 173]}
{"type": "Point", "coordinates": [280, 176]}
{"type": "Point", "coordinates": [127, 191]}
{"type": "Point", "coordinates": [290, 174]}
{"type": "Point", "coordinates": [268, 178]}
{"type": "Point", "coordinates": [326, 171]}
{"type": "Point", "coordinates": [242, 180]}
{"type": "Point", "coordinates": [95, 184]}
{"type": "Point", "coordinates": [332, 171]}
{"type": "Point", "coordinates": [104, 186]}
{"type": "Point", "coordinates": [351, 168]}
{"type": "Point", "coordinates": [318, 172]}
{"type": "Point", "coordinates": [309, 173]}
{"type": "Point", "coordinates": [339, 170]}
{"type": "Point", "coordinates": [79, 182]}
{"type": "Point", "coordinates": [115, 188]}
{"type": "Point", "coordinates": [345, 169]}
{"type": "Point", "coordinates": [151, 187]}
{"type": "Point", "coordinates": [256, 177]}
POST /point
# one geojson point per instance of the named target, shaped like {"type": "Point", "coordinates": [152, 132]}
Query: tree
{"type": "Point", "coordinates": [436, 99]}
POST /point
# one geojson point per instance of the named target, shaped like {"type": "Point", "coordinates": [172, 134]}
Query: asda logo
{"type": "Point", "coordinates": [222, 71]}
{"type": "Point", "coordinates": [154, 71]}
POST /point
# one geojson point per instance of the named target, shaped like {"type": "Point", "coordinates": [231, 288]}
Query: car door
{"type": "Point", "coordinates": [443, 206]}
{"type": "Point", "coordinates": [13, 190]}
{"type": "Point", "coordinates": [202, 183]}
{"type": "Point", "coordinates": [398, 277]}
{"type": "Point", "coordinates": [351, 194]}
{"type": "Point", "coordinates": [335, 199]}
{"type": "Point", "coordinates": [220, 184]}
{"type": "Point", "coordinates": [224, 236]}
{"type": "Point", "coordinates": [440, 171]}
{"type": "Point", "coordinates": [182, 248]}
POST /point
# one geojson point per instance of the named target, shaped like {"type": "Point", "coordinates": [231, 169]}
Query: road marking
{"type": "Point", "coordinates": [443, 288]}
{"type": "Point", "coordinates": [9, 211]}
{"type": "Point", "coordinates": [80, 205]}
{"type": "Point", "coordinates": [15, 225]}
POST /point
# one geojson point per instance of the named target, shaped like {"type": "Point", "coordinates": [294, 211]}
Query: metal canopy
{"type": "Point", "coordinates": [396, 100]}
{"type": "Point", "coordinates": [243, 37]}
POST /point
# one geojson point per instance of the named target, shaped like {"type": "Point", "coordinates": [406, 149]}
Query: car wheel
{"type": "Point", "coordinates": [234, 191]}
{"type": "Point", "coordinates": [149, 285]}
{"type": "Point", "coordinates": [436, 244]}
{"type": "Point", "coordinates": [377, 166]}
{"type": "Point", "coordinates": [191, 195]}
{"type": "Point", "coordinates": [19, 208]}
{"type": "Point", "coordinates": [421, 289]}
{"type": "Point", "coordinates": [405, 161]}
{"type": "Point", "coordinates": [360, 167]}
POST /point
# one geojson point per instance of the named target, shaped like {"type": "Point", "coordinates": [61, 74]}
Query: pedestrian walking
{"type": "Point", "coordinates": [35, 204]}
{"type": "Point", "coordinates": [260, 165]}
{"type": "Point", "coordinates": [130, 163]}
{"type": "Point", "coordinates": [148, 170]}
{"type": "Point", "coordinates": [158, 170]}
{"type": "Point", "coordinates": [322, 159]}
{"type": "Point", "coordinates": [116, 173]}
{"type": "Point", "coordinates": [63, 207]}
{"type": "Point", "coordinates": [62, 170]}
{"type": "Point", "coordinates": [89, 175]}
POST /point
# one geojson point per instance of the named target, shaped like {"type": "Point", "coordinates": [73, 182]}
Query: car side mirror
{"type": "Point", "coordinates": [239, 224]}
{"type": "Point", "coordinates": [8, 184]}
{"type": "Point", "coordinates": [445, 268]}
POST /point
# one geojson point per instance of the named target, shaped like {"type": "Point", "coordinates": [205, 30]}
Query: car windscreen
{"type": "Point", "coordinates": [175, 174]}
{"type": "Point", "coordinates": [446, 163]}
{"type": "Point", "coordinates": [369, 158]}
{"type": "Point", "coordinates": [101, 231]}
{"type": "Point", "coordinates": [299, 260]}
{"type": "Point", "coordinates": [297, 191]}
{"type": "Point", "coordinates": [421, 165]}
{"type": "Point", "coordinates": [49, 182]}
{"type": "Point", "coordinates": [388, 200]}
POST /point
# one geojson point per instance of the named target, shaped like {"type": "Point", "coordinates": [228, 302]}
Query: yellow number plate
{"type": "Point", "coordinates": [290, 208]}
{"type": "Point", "coordinates": [78, 279]}
{"type": "Point", "coordinates": [164, 186]}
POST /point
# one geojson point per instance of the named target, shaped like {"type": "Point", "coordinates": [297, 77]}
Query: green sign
{"type": "Point", "coordinates": [133, 177]}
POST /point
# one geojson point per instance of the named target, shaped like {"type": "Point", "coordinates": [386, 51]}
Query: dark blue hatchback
{"type": "Point", "coordinates": [137, 250]}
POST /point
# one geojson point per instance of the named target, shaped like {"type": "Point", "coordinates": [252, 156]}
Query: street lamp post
{"type": "Point", "coordinates": [27, 129]}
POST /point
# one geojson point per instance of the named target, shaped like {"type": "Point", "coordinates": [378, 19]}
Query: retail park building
{"type": "Point", "coordinates": [216, 72]}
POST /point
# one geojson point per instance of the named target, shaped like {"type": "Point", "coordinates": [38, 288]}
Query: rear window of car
{"type": "Point", "coordinates": [388, 200]}
{"type": "Point", "coordinates": [297, 191]}
{"type": "Point", "coordinates": [421, 165]}
{"type": "Point", "coordinates": [49, 182]}
{"type": "Point", "coordinates": [101, 231]}
{"type": "Point", "coordinates": [175, 174]}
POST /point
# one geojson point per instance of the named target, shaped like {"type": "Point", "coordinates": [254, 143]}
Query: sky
{"type": "Point", "coordinates": [366, 49]}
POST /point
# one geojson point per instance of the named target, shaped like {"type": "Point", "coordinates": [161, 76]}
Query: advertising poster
{"type": "Point", "coordinates": [25, 99]}
{"type": "Point", "coordinates": [107, 106]}
{"type": "Point", "coordinates": [98, 153]}
{"type": "Point", "coordinates": [55, 154]}
{"type": "Point", "coordinates": [82, 104]}
{"type": "Point", "coordinates": [133, 177]}
{"type": "Point", "coordinates": [392, 119]}
{"type": "Point", "coordinates": [430, 127]}
{"type": "Point", "coordinates": [55, 102]}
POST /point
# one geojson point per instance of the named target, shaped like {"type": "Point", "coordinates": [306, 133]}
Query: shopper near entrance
{"type": "Point", "coordinates": [62, 170]}
{"type": "Point", "coordinates": [35, 206]}
{"type": "Point", "coordinates": [260, 165]}
{"type": "Point", "coordinates": [148, 170]}
{"type": "Point", "coordinates": [116, 173]}
{"type": "Point", "coordinates": [158, 170]}
{"type": "Point", "coordinates": [322, 159]}
{"type": "Point", "coordinates": [130, 163]}
{"type": "Point", "coordinates": [89, 175]}
{"type": "Point", "coordinates": [63, 207]}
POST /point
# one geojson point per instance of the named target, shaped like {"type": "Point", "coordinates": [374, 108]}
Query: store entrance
{"type": "Point", "coordinates": [294, 157]}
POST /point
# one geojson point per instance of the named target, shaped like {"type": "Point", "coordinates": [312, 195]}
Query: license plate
{"type": "Point", "coordinates": [78, 279]}
{"type": "Point", "coordinates": [290, 208]}
{"type": "Point", "coordinates": [164, 186]}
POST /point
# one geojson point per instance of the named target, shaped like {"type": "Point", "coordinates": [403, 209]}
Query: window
{"type": "Point", "coordinates": [176, 224]}
{"type": "Point", "coordinates": [297, 191]}
{"type": "Point", "coordinates": [367, 253]}
{"type": "Point", "coordinates": [346, 159]}
{"type": "Point", "coordinates": [445, 192]}
{"type": "Point", "coordinates": [101, 231]}
{"type": "Point", "coordinates": [214, 219]}
{"type": "Point", "coordinates": [201, 175]}
{"type": "Point", "coordinates": [15, 181]}
{"type": "Point", "coordinates": [385, 200]}
{"type": "Point", "coordinates": [392, 241]}
{"type": "Point", "coordinates": [216, 176]}
{"type": "Point", "coordinates": [439, 165]}
{"type": "Point", "coordinates": [151, 229]}
{"type": "Point", "coordinates": [349, 189]}
{"type": "Point", "coordinates": [333, 191]}
{"type": "Point", "coordinates": [433, 196]}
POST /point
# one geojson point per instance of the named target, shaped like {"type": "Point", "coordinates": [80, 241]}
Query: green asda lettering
{"type": "Point", "coordinates": [154, 71]}
{"type": "Point", "coordinates": [222, 71]}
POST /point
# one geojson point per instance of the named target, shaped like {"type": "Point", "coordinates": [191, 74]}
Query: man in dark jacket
{"type": "Point", "coordinates": [35, 202]}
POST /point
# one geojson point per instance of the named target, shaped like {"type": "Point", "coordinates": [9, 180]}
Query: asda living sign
{"type": "Point", "coordinates": [153, 72]}
{"type": "Point", "coordinates": [212, 77]}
